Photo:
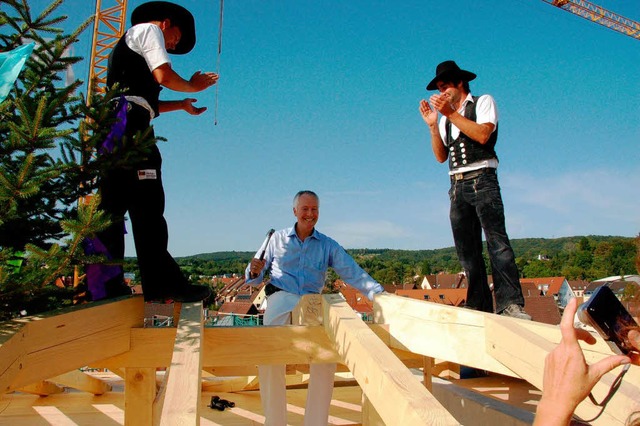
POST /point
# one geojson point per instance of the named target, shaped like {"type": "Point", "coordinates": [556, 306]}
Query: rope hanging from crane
{"type": "Point", "coordinates": [215, 115]}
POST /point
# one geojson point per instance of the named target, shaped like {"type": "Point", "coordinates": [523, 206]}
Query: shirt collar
{"type": "Point", "coordinates": [314, 234]}
{"type": "Point", "coordinates": [469, 98]}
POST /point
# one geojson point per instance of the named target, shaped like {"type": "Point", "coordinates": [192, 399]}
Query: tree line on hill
{"type": "Point", "coordinates": [581, 257]}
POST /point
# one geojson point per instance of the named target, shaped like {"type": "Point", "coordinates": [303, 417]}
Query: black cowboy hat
{"type": "Point", "coordinates": [447, 70]}
{"type": "Point", "coordinates": [178, 15]}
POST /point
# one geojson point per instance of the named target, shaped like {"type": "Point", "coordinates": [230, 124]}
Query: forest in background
{"type": "Point", "coordinates": [580, 257]}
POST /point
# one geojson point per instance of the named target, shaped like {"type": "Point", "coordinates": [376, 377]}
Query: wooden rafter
{"type": "Point", "coordinates": [35, 354]}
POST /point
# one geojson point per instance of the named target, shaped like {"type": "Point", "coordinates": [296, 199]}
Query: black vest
{"type": "Point", "coordinates": [130, 70]}
{"type": "Point", "coordinates": [464, 150]}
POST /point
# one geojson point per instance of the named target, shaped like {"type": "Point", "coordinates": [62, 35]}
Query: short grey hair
{"type": "Point", "coordinates": [304, 192]}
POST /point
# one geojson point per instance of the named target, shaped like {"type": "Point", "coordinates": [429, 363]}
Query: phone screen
{"type": "Point", "coordinates": [610, 318]}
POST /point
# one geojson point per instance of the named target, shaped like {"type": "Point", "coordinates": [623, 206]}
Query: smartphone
{"type": "Point", "coordinates": [604, 312]}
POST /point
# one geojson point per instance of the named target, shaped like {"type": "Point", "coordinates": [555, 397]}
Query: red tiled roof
{"type": "Point", "coordinates": [529, 289]}
{"type": "Point", "coordinates": [160, 309]}
{"type": "Point", "coordinates": [542, 309]}
{"type": "Point", "coordinates": [578, 284]}
{"type": "Point", "coordinates": [241, 308]}
{"type": "Point", "coordinates": [353, 297]}
{"type": "Point", "coordinates": [447, 280]}
{"type": "Point", "coordinates": [554, 283]}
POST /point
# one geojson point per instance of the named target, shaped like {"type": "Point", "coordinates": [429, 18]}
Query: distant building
{"type": "Point", "coordinates": [443, 296]}
{"type": "Point", "coordinates": [458, 280]}
{"type": "Point", "coordinates": [558, 287]}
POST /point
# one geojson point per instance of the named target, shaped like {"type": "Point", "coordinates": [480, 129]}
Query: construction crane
{"type": "Point", "coordinates": [599, 15]}
{"type": "Point", "coordinates": [108, 28]}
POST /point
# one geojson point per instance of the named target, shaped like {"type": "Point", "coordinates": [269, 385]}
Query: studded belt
{"type": "Point", "coordinates": [456, 177]}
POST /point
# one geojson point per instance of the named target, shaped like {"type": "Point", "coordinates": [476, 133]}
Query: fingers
{"type": "Point", "coordinates": [602, 367]}
{"type": "Point", "coordinates": [256, 266]}
{"type": "Point", "coordinates": [425, 108]}
{"type": "Point", "coordinates": [585, 336]}
{"type": "Point", "coordinates": [204, 80]}
{"type": "Point", "coordinates": [566, 324]}
{"type": "Point", "coordinates": [197, 110]}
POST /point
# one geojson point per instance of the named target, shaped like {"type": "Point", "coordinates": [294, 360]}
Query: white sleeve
{"type": "Point", "coordinates": [486, 110]}
{"type": "Point", "coordinates": [147, 40]}
{"type": "Point", "coordinates": [442, 126]}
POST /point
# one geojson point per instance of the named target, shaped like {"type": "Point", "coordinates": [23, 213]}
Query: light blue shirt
{"type": "Point", "coordinates": [300, 267]}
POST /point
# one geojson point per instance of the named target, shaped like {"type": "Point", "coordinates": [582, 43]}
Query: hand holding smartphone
{"type": "Point", "coordinates": [604, 312]}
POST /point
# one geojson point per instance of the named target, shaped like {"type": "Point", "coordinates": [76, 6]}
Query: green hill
{"type": "Point", "coordinates": [580, 257]}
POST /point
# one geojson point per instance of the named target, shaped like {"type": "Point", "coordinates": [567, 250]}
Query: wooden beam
{"type": "Point", "coordinates": [231, 384]}
{"type": "Point", "coordinates": [183, 382]}
{"type": "Point", "coordinates": [139, 394]}
{"type": "Point", "coordinates": [226, 347]}
{"type": "Point", "coordinates": [446, 332]}
{"type": "Point", "coordinates": [39, 347]}
{"type": "Point", "coordinates": [427, 373]}
{"type": "Point", "coordinates": [398, 397]}
{"type": "Point", "coordinates": [524, 352]}
{"type": "Point", "coordinates": [118, 371]}
{"type": "Point", "coordinates": [43, 388]}
{"type": "Point", "coordinates": [78, 380]}
{"type": "Point", "coordinates": [370, 417]}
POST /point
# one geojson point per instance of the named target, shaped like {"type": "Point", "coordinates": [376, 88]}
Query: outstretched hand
{"type": "Point", "coordinates": [201, 81]}
{"type": "Point", "coordinates": [568, 379]}
{"type": "Point", "coordinates": [429, 115]}
{"type": "Point", "coordinates": [189, 107]}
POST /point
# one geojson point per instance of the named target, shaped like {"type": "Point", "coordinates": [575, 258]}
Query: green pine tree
{"type": "Point", "coordinates": [47, 164]}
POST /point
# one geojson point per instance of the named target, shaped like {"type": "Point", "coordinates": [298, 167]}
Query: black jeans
{"type": "Point", "coordinates": [138, 189]}
{"type": "Point", "coordinates": [476, 206]}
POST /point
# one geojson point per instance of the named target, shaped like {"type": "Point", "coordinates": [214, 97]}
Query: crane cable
{"type": "Point", "coordinates": [215, 119]}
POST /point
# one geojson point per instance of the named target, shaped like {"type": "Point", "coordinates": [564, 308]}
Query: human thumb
{"type": "Point", "coordinates": [604, 366]}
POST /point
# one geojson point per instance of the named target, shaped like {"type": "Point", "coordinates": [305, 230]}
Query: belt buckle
{"type": "Point", "coordinates": [458, 176]}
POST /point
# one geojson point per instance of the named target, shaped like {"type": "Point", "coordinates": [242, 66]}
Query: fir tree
{"type": "Point", "coordinates": [47, 164]}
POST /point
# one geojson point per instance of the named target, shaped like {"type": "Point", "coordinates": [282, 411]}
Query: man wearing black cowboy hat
{"type": "Point", "coordinates": [466, 135]}
{"type": "Point", "coordinates": [140, 65]}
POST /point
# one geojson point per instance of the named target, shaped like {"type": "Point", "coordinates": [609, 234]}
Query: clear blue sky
{"type": "Point", "coordinates": [323, 95]}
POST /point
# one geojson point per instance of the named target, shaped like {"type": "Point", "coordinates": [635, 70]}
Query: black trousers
{"type": "Point", "coordinates": [137, 189]}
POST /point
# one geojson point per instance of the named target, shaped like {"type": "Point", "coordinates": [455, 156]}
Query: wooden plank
{"type": "Point", "coordinates": [139, 394]}
{"type": "Point", "coordinates": [245, 370]}
{"type": "Point", "coordinates": [308, 311]}
{"type": "Point", "coordinates": [398, 397]}
{"type": "Point", "coordinates": [40, 348]}
{"type": "Point", "coordinates": [524, 352]}
{"type": "Point", "coordinates": [447, 333]}
{"type": "Point", "coordinates": [118, 371]}
{"type": "Point", "coordinates": [227, 347]}
{"type": "Point", "coordinates": [78, 380]}
{"type": "Point", "coordinates": [183, 387]}
{"type": "Point", "coordinates": [43, 388]}
{"type": "Point", "coordinates": [370, 417]}
{"type": "Point", "coordinates": [427, 373]}
{"type": "Point", "coordinates": [231, 384]}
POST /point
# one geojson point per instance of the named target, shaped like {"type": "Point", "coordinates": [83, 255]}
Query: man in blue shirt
{"type": "Point", "coordinates": [298, 259]}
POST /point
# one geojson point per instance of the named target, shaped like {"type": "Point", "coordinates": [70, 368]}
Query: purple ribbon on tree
{"type": "Point", "coordinates": [98, 274]}
{"type": "Point", "coordinates": [117, 130]}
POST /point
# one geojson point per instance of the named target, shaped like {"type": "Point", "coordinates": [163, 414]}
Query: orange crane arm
{"type": "Point", "coordinates": [108, 28]}
{"type": "Point", "coordinates": [599, 15]}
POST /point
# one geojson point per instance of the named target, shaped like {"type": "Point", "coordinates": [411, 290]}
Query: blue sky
{"type": "Point", "coordinates": [323, 95]}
